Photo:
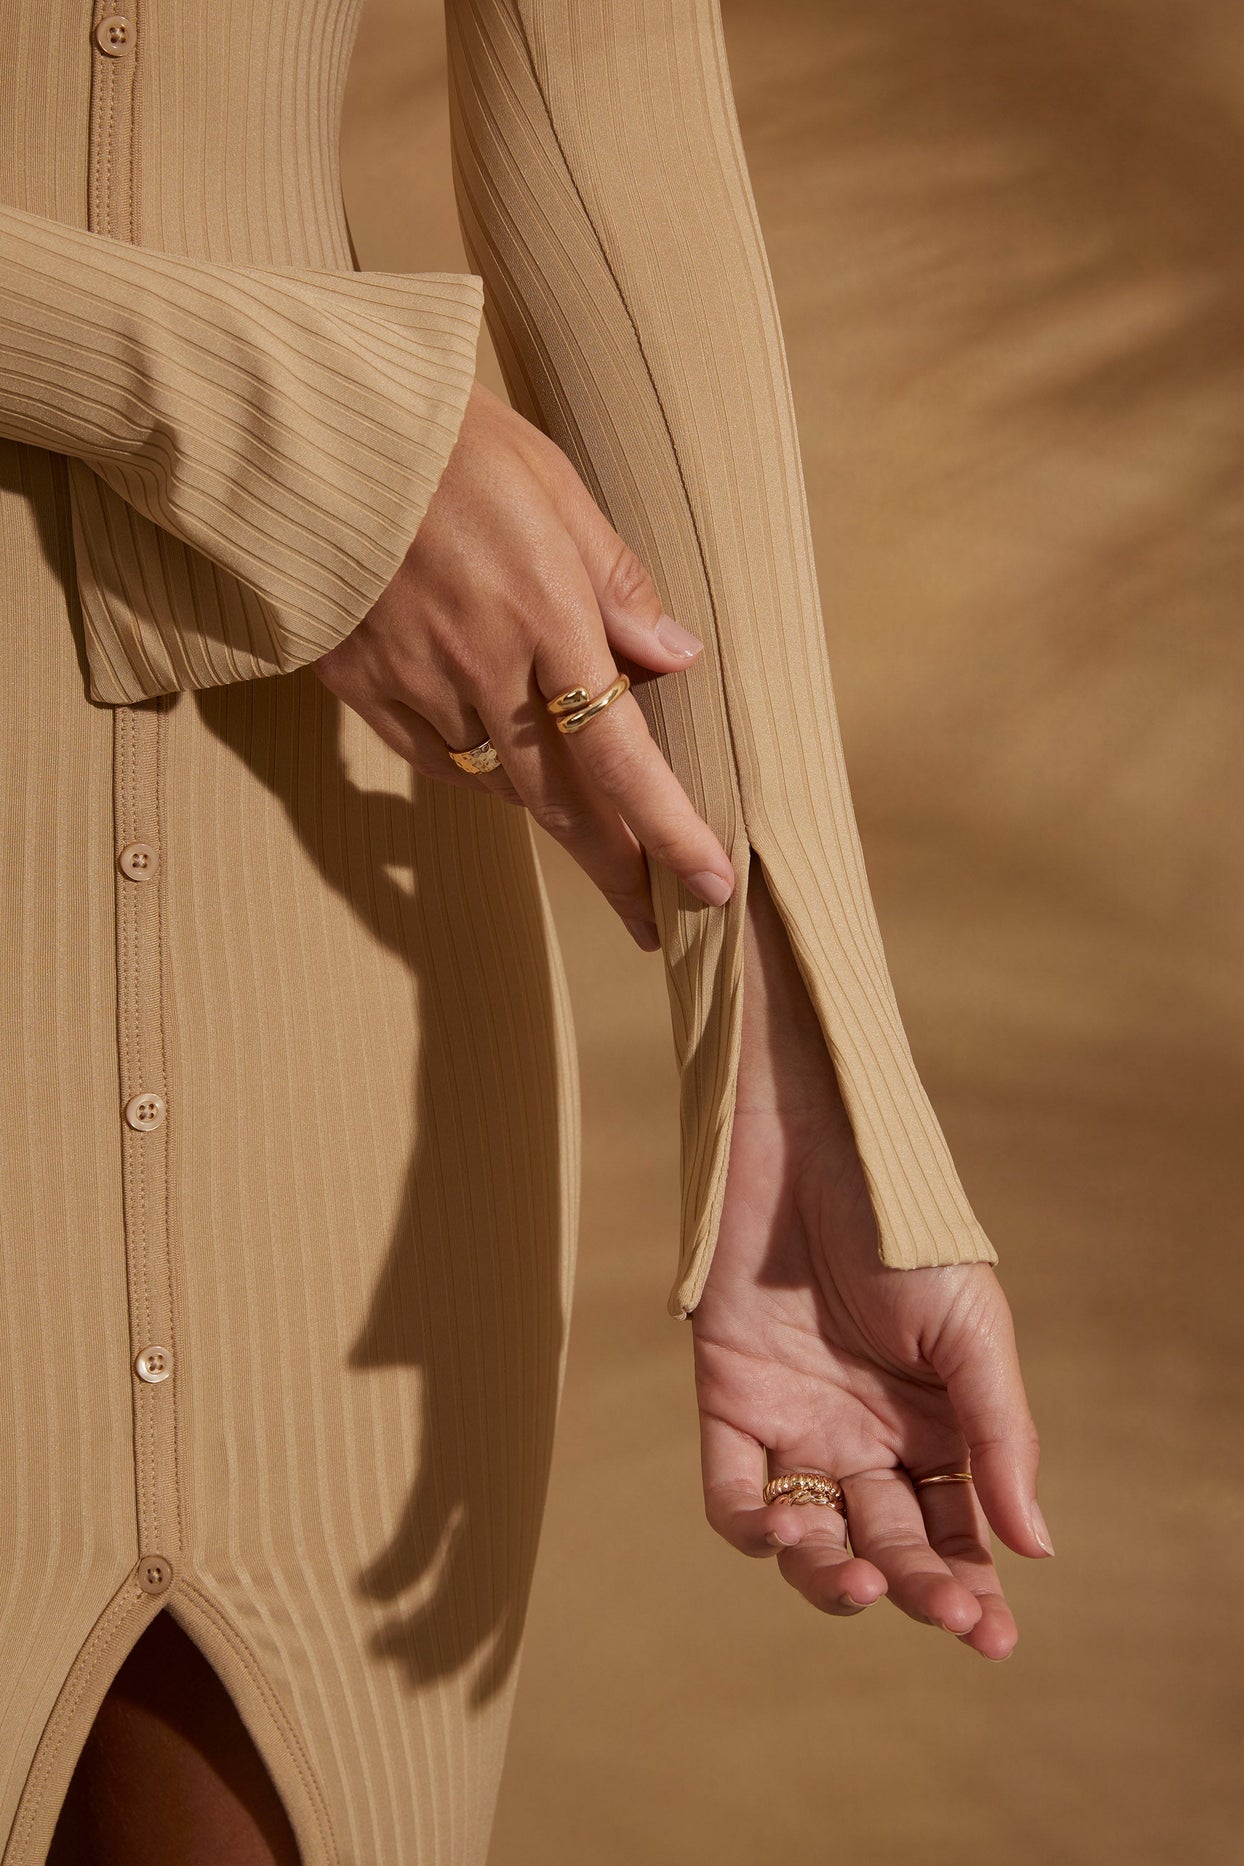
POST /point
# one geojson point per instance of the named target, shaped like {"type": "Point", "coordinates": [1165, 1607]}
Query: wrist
{"type": "Point", "coordinates": [784, 1052]}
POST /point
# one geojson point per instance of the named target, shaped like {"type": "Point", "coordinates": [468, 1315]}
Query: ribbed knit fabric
{"type": "Point", "coordinates": [291, 1089]}
{"type": "Point", "coordinates": [605, 201]}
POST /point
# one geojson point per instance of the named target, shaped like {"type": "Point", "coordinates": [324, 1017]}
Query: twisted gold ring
{"type": "Point", "coordinates": [806, 1487]}
{"type": "Point", "coordinates": [477, 758]}
{"type": "Point", "coordinates": [573, 708]}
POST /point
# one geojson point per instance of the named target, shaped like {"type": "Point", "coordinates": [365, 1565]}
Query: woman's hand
{"type": "Point", "coordinates": [514, 589]}
{"type": "Point", "coordinates": [808, 1348]}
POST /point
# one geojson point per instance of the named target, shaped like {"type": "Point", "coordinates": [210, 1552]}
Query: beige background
{"type": "Point", "coordinates": [1007, 247]}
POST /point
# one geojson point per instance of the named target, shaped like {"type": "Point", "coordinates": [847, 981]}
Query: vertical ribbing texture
{"type": "Point", "coordinates": [606, 204]}
{"type": "Point", "coordinates": [217, 440]}
{"type": "Point", "coordinates": [372, 1127]}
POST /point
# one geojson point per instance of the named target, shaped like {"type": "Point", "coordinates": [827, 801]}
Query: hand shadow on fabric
{"type": "Point", "coordinates": [472, 1293]}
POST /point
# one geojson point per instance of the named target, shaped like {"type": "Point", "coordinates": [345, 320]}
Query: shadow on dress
{"type": "Point", "coordinates": [472, 1294]}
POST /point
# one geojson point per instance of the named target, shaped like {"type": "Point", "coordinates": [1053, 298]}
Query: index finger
{"type": "Point", "coordinates": [619, 758]}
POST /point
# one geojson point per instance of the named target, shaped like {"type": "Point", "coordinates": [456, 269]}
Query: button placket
{"type": "Point", "coordinates": [138, 731]}
{"type": "Point", "coordinates": [138, 737]}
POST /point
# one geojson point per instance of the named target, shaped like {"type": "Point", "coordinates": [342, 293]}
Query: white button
{"type": "Point", "coordinates": [154, 1365]}
{"type": "Point", "coordinates": [114, 34]}
{"type": "Point", "coordinates": [138, 861]}
{"type": "Point", "coordinates": [154, 1574]}
{"type": "Point", "coordinates": [145, 1111]}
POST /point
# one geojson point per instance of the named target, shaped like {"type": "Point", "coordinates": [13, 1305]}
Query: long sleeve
{"type": "Point", "coordinates": [276, 434]}
{"type": "Point", "coordinates": [604, 199]}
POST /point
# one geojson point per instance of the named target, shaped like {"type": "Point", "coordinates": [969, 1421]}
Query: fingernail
{"type": "Point", "coordinates": [714, 889]}
{"type": "Point", "coordinates": [775, 1541]}
{"type": "Point", "coordinates": [1039, 1529]}
{"type": "Point", "coordinates": [849, 1600]}
{"type": "Point", "coordinates": [644, 934]}
{"type": "Point", "coordinates": [675, 637]}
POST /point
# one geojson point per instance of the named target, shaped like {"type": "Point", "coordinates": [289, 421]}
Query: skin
{"type": "Point", "coordinates": [169, 1771]}
{"type": "Point", "coordinates": [516, 588]}
{"type": "Point", "coordinates": [811, 1350]}
{"type": "Point", "coordinates": [807, 1350]}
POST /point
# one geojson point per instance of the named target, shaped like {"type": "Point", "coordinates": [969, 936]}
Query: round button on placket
{"type": "Point", "coordinates": [153, 1365]}
{"type": "Point", "coordinates": [154, 1574]}
{"type": "Point", "coordinates": [114, 34]}
{"type": "Point", "coordinates": [138, 861]}
{"type": "Point", "coordinates": [145, 1111]}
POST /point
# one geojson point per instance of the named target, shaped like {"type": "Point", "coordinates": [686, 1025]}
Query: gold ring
{"type": "Point", "coordinates": [573, 708]}
{"type": "Point", "coordinates": [806, 1487]}
{"type": "Point", "coordinates": [945, 1477]}
{"type": "Point", "coordinates": [477, 758]}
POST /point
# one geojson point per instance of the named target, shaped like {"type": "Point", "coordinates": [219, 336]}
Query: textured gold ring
{"type": "Point", "coordinates": [945, 1477]}
{"type": "Point", "coordinates": [482, 757]}
{"type": "Point", "coordinates": [573, 708]}
{"type": "Point", "coordinates": [806, 1487]}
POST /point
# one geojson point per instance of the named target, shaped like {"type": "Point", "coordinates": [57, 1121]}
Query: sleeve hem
{"type": "Point", "coordinates": [289, 502]}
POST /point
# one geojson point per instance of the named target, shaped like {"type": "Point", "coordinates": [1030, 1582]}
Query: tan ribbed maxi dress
{"type": "Point", "coordinates": [289, 1118]}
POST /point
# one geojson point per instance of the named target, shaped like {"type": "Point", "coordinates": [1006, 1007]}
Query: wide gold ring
{"type": "Point", "coordinates": [806, 1487]}
{"type": "Point", "coordinates": [477, 758]}
{"type": "Point", "coordinates": [573, 708]}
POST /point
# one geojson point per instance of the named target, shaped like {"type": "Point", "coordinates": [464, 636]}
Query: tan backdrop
{"type": "Point", "coordinates": [1007, 247]}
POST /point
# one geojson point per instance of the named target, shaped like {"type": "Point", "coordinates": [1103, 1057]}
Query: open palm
{"type": "Point", "coordinates": [810, 1353]}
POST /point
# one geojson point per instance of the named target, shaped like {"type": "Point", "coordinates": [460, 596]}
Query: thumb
{"type": "Point", "coordinates": [975, 1357]}
{"type": "Point", "coordinates": [636, 623]}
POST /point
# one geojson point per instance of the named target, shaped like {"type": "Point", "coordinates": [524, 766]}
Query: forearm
{"type": "Point", "coordinates": [784, 1061]}
{"type": "Point", "coordinates": [605, 201]}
